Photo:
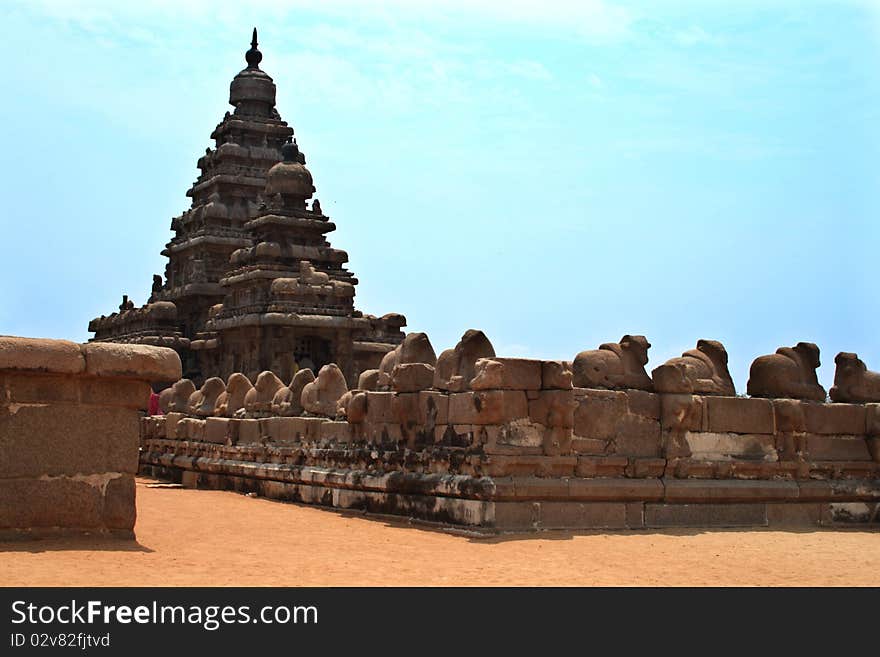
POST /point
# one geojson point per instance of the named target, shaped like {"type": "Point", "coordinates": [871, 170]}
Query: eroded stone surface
{"type": "Point", "coordinates": [789, 373]}
{"type": "Point", "coordinates": [455, 367]}
{"type": "Point", "coordinates": [614, 366]}
{"type": "Point", "coordinates": [698, 371]}
{"type": "Point", "coordinates": [322, 396]}
{"type": "Point", "coordinates": [853, 382]}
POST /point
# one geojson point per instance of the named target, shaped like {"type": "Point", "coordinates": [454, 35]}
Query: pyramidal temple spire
{"type": "Point", "coordinates": [253, 56]}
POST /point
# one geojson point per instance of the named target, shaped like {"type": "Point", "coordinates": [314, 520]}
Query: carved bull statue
{"type": "Point", "coordinates": [288, 400]}
{"type": "Point", "coordinates": [231, 402]}
{"type": "Point", "coordinates": [259, 398]}
{"type": "Point", "coordinates": [203, 401]}
{"type": "Point", "coordinates": [456, 367]}
{"type": "Point", "coordinates": [853, 382]}
{"type": "Point", "coordinates": [701, 371]}
{"type": "Point", "coordinates": [614, 365]}
{"type": "Point", "coordinates": [321, 396]}
{"type": "Point", "coordinates": [790, 373]}
{"type": "Point", "coordinates": [176, 398]}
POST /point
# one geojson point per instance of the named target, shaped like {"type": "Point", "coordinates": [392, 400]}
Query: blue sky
{"type": "Point", "coordinates": [555, 173]}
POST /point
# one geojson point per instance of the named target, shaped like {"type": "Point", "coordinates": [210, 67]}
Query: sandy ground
{"type": "Point", "coordinates": [214, 538]}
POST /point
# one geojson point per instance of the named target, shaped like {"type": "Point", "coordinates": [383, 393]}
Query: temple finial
{"type": "Point", "coordinates": [253, 56]}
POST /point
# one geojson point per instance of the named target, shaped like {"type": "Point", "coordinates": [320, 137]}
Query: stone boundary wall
{"type": "Point", "coordinates": [525, 450]}
{"type": "Point", "coordinates": [69, 418]}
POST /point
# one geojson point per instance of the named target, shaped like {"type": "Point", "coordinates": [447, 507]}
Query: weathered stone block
{"type": "Point", "coordinates": [119, 503]}
{"type": "Point", "coordinates": [579, 515]}
{"type": "Point", "coordinates": [405, 408]}
{"type": "Point", "coordinates": [635, 515]}
{"type": "Point", "coordinates": [874, 447]}
{"type": "Point", "coordinates": [796, 514]}
{"type": "Point", "coordinates": [705, 515]}
{"type": "Point", "coordinates": [337, 431]}
{"type": "Point", "coordinates": [601, 466]}
{"type": "Point", "coordinates": [646, 467]}
{"type": "Point", "coordinates": [835, 418]}
{"type": "Point", "coordinates": [872, 419]}
{"type": "Point", "coordinates": [740, 415]}
{"type": "Point", "coordinates": [171, 420]}
{"type": "Point", "coordinates": [249, 431]}
{"type": "Point", "coordinates": [640, 402]}
{"type": "Point", "coordinates": [433, 408]}
{"type": "Point", "coordinates": [76, 503]}
{"type": "Point", "coordinates": [39, 355]}
{"type": "Point", "coordinates": [553, 408]}
{"type": "Point", "coordinates": [706, 446]}
{"type": "Point", "coordinates": [519, 434]}
{"type": "Point", "coordinates": [195, 429]}
{"type": "Point", "coordinates": [38, 440]}
{"type": "Point", "coordinates": [487, 407]}
{"type": "Point", "coordinates": [681, 412]}
{"type": "Point", "coordinates": [837, 448]}
{"type": "Point", "coordinates": [733, 490]}
{"type": "Point", "coordinates": [517, 515]}
{"type": "Point", "coordinates": [789, 416]}
{"type": "Point", "coordinates": [637, 435]}
{"type": "Point", "coordinates": [128, 393]}
{"type": "Point", "coordinates": [412, 377]}
{"type": "Point", "coordinates": [611, 489]}
{"type": "Point", "coordinates": [598, 412]}
{"type": "Point", "coordinates": [379, 407]}
{"type": "Point", "coordinates": [589, 446]}
{"type": "Point", "coordinates": [507, 374]}
{"type": "Point", "coordinates": [557, 440]}
{"type": "Point", "coordinates": [293, 429]}
{"type": "Point", "coordinates": [31, 387]}
{"type": "Point", "coordinates": [216, 430]}
{"type": "Point", "coordinates": [555, 375]}
{"type": "Point", "coordinates": [133, 361]}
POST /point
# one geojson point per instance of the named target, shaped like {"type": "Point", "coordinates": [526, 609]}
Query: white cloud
{"type": "Point", "coordinates": [594, 20]}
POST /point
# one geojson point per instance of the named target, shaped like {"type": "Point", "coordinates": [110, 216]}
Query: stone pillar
{"type": "Point", "coordinates": [69, 417]}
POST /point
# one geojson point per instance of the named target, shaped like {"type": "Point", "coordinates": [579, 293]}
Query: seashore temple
{"type": "Point", "coordinates": [251, 283]}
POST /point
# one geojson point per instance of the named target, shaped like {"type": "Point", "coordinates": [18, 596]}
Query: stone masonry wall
{"type": "Point", "coordinates": [523, 449]}
{"type": "Point", "coordinates": [69, 418]}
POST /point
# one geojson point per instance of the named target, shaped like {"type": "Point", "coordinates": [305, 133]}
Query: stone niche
{"type": "Point", "coordinates": [69, 418]}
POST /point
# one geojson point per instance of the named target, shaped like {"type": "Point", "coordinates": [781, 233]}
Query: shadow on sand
{"type": "Point", "coordinates": [36, 545]}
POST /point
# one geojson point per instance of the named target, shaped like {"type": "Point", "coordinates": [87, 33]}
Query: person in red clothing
{"type": "Point", "coordinates": [153, 408]}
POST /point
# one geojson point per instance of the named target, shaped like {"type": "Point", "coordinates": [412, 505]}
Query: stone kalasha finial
{"type": "Point", "coordinates": [253, 56]}
{"type": "Point", "coordinates": [290, 152]}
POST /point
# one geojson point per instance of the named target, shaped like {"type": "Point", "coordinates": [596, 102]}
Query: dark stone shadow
{"type": "Point", "coordinates": [96, 543]}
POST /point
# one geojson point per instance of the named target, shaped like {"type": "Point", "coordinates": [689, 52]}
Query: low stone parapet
{"type": "Point", "coordinates": [523, 449]}
{"type": "Point", "coordinates": [69, 418]}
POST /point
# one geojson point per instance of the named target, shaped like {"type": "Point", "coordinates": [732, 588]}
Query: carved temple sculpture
{"type": "Point", "coordinates": [789, 373]}
{"type": "Point", "coordinates": [701, 371]}
{"type": "Point", "coordinates": [251, 282]}
{"type": "Point", "coordinates": [853, 382]}
{"type": "Point", "coordinates": [614, 365]}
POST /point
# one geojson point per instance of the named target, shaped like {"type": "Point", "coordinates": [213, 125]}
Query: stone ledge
{"type": "Point", "coordinates": [102, 359]}
{"type": "Point", "coordinates": [41, 355]}
{"type": "Point", "coordinates": [158, 364]}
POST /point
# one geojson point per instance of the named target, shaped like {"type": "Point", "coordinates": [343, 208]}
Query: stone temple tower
{"type": "Point", "coordinates": [251, 282]}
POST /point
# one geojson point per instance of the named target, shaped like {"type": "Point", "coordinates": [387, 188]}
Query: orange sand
{"type": "Point", "coordinates": [213, 538]}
